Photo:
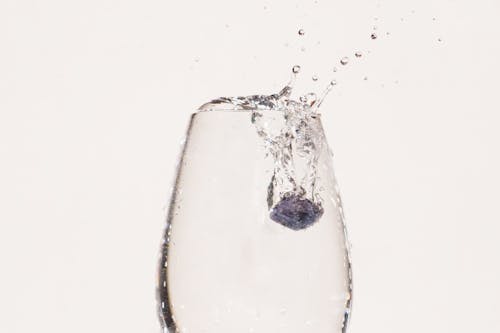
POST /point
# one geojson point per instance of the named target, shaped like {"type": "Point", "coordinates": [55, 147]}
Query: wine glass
{"type": "Point", "coordinates": [228, 263]}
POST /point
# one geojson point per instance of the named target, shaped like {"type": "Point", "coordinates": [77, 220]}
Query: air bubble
{"type": "Point", "coordinates": [344, 61]}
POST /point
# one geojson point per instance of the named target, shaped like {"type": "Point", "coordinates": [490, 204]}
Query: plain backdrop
{"type": "Point", "coordinates": [94, 100]}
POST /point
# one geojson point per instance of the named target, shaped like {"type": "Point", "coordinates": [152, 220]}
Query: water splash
{"type": "Point", "coordinates": [293, 138]}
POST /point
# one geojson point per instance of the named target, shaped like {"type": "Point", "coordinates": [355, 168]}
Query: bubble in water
{"type": "Point", "coordinates": [373, 36]}
{"type": "Point", "coordinates": [344, 61]}
{"type": "Point", "coordinates": [301, 32]}
{"type": "Point", "coordinates": [296, 69]}
{"type": "Point", "coordinates": [315, 78]}
{"type": "Point", "coordinates": [358, 54]}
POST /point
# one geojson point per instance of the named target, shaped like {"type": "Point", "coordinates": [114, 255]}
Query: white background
{"type": "Point", "coordinates": [95, 97]}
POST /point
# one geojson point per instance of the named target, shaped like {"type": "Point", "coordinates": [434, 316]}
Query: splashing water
{"type": "Point", "coordinates": [292, 196]}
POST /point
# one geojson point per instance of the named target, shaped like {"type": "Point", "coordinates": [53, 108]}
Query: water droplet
{"type": "Point", "coordinates": [434, 19]}
{"type": "Point", "coordinates": [365, 78]}
{"type": "Point", "coordinates": [301, 32]}
{"type": "Point", "coordinates": [333, 83]}
{"type": "Point", "coordinates": [344, 61]}
{"type": "Point", "coordinates": [358, 54]}
{"type": "Point", "coordinates": [375, 18]}
{"type": "Point", "coordinates": [373, 36]}
{"type": "Point", "coordinates": [196, 60]}
{"type": "Point", "coordinates": [375, 27]}
{"type": "Point", "coordinates": [315, 78]}
{"type": "Point", "coordinates": [387, 33]}
{"type": "Point", "coordinates": [440, 40]}
{"type": "Point", "coordinates": [334, 69]}
{"type": "Point", "coordinates": [296, 69]}
{"type": "Point", "coordinates": [303, 49]}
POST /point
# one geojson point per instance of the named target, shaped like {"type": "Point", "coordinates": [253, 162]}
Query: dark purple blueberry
{"type": "Point", "coordinates": [296, 213]}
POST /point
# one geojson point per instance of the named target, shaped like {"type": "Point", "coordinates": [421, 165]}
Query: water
{"type": "Point", "coordinates": [227, 265]}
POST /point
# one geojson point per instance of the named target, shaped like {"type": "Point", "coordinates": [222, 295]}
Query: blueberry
{"type": "Point", "coordinates": [295, 212]}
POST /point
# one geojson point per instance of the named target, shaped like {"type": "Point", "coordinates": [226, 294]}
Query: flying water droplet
{"type": "Point", "coordinates": [440, 40]}
{"type": "Point", "coordinates": [296, 69]}
{"type": "Point", "coordinates": [344, 61]}
{"type": "Point", "coordinates": [358, 54]}
{"type": "Point", "coordinates": [303, 49]}
{"type": "Point", "coordinates": [302, 32]}
{"type": "Point", "coordinates": [334, 69]}
{"type": "Point", "coordinates": [373, 36]}
{"type": "Point", "coordinates": [315, 78]}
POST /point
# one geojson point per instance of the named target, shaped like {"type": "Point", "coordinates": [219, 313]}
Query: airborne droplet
{"type": "Point", "coordinates": [344, 61]}
{"type": "Point", "coordinates": [358, 54]}
{"type": "Point", "coordinates": [315, 78]}
{"type": "Point", "coordinates": [296, 69]}
{"type": "Point", "coordinates": [301, 32]}
{"type": "Point", "coordinates": [373, 36]}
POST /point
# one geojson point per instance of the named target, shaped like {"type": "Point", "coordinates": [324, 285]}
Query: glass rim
{"type": "Point", "coordinates": [244, 111]}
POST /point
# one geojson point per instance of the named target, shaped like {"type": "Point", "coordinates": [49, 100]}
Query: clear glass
{"type": "Point", "coordinates": [225, 266]}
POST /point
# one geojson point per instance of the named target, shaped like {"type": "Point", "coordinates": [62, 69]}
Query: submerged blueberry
{"type": "Point", "coordinates": [295, 212]}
